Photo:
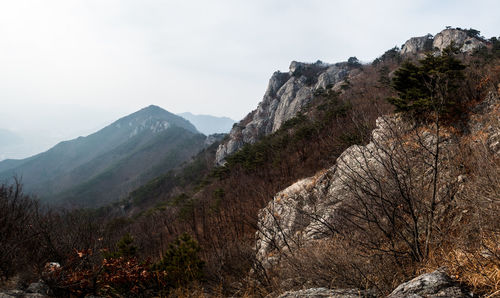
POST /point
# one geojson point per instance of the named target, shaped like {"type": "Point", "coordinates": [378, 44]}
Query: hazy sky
{"type": "Point", "coordinates": [68, 67]}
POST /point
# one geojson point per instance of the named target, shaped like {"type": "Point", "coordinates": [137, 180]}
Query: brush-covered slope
{"type": "Point", "coordinates": [103, 166]}
{"type": "Point", "coordinates": [300, 128]}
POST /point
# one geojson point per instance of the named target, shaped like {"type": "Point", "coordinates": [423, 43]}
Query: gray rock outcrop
{"type": "Point", "coordinates": [287, 93]}
{"type": "Point", "coordinates": [213, 138]}
{"type": "Point", "coordinates": [298, 214]}
{"type": "Point", "coordinates": [460, 38]}
{"type": "Point", "coordinates": [326, 293]}
{"type": "Point", "coordinates": [302, 213]}
{"type": "Point", "coordinates": [466, 42]}
{"type": "Point", "coordinates": [417, 44]}
{"type": "Point", "coordinates": [434, 284]}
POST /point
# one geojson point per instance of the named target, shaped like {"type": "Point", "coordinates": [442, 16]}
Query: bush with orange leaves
{"type": "Point", "coordinates": [119, 275]}
{"type": "Point", "coordinates": [111, 277]}
{"type": "Point", "coordinates": [126, 275]}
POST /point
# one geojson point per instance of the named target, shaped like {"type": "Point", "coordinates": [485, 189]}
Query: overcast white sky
{"type": "Point", "coordinates": [69, 67]}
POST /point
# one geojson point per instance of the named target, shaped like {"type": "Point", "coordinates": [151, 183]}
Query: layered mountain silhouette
{"type": "Point", "coordinates": [208, 124]}
{"type": "Point", "coordinates": [104, 166]}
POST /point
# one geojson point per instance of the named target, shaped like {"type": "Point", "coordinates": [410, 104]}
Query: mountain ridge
{"type": "Point", "coordinates": [65, 165]}
{"type": "Point", "coordinates": [288, 92]}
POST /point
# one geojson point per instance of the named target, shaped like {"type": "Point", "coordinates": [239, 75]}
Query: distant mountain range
{"type": "Point", "coordinates": [208, 125]}
{"type": "Point", "coordinates": [105, 166]}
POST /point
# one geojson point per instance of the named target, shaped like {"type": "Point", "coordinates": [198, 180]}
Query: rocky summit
{"type": "Point", "coordinates": [289, 92]}
{"type": "Point", "coordinates": [465, 40]}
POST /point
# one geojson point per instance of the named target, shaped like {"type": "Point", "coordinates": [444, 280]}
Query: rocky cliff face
{"type": "Point", "coordinates": [461, 38]}
{"type": "Point", "coordinates": [301, 214]}
{"type": "Point", "coordinates": [287, 93]}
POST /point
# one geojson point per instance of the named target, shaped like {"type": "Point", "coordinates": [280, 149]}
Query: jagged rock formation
{"type": "Point", "coordinates": [299, 214]}
{"type": "Point", "coordinates": [286, 94]}
{"type": "Point", "coordinates": [464, 41]}
{"type": "Point", "coordinates": [300, 211]}
{"type": "Point", "coordinates": [417, 44]}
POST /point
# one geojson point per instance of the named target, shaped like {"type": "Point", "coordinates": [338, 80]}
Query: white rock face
{"type": "Point", "coordinates": [286, 94]}
{"type": "Point", "coordinates": [459, 37]}
{"type": "Point", "coordinates": [297, 215]}
{"type": "Point", "coordinates": [419, 45]}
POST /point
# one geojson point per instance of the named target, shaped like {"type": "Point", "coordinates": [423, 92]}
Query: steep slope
{"type": "Point", "coordinates": [131, 149]}
{"type": "Point", "coordinates": [208, 124]}
{"type": "Point", "coordinates": [286, 94]}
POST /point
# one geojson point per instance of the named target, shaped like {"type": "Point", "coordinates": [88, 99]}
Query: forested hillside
{"type": "Point", "coordinates": [101, 168]}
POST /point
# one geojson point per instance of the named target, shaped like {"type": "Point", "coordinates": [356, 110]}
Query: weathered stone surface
{"type": "Point", "coordinates": [459, 37]}
{"type": "Point", "coordinates": [301, 213]}
{"type": "Point", "coordinates": [286, 94]}
{"type": "Point", "coordinates": [216, 137]}
{"type": "Point", "coordinates": [486, 122]}
{"type": "Point", "coordinates": [417, 44]}
{"type": "Point", "coordinates": [326, 293]}
{"type": "Point", "coordinates": [435, 284]}
{"type": "Point", "coordinates": [297, 215]}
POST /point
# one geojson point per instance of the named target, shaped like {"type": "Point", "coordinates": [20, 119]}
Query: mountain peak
{"type": "Point", "coordinates": [154, 117]}
{"type": "Point", "coordinates": [153, 108]}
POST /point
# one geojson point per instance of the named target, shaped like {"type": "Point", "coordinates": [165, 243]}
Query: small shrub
{"type": "Point", "coordinates": [180, 264]}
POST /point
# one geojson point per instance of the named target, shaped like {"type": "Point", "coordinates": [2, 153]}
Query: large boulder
{"type": "Point", "coordinates": [434, 284]}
